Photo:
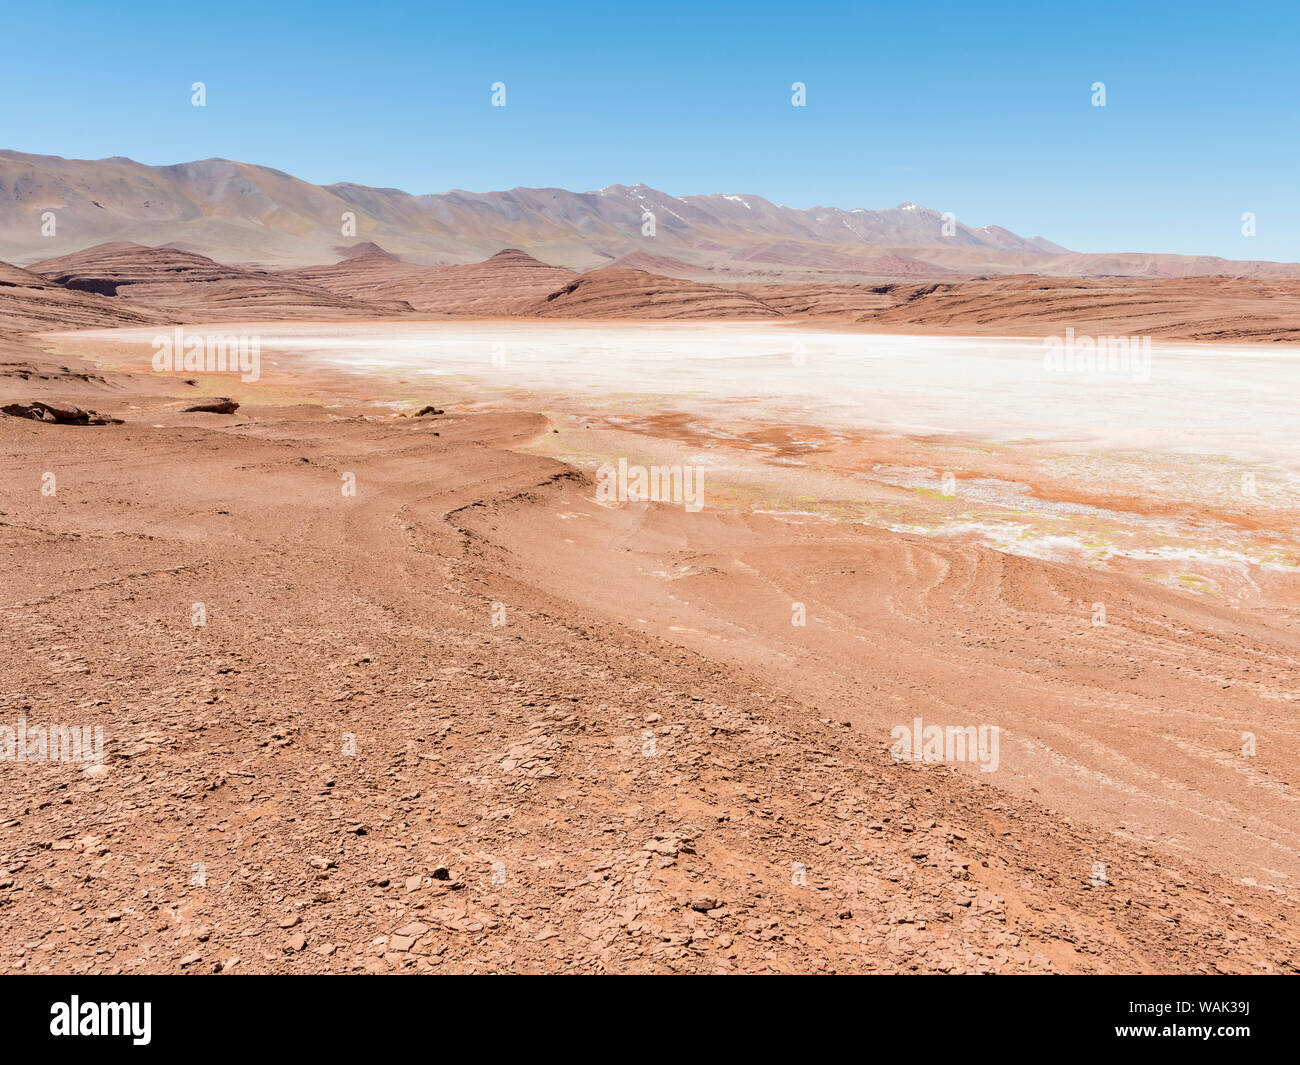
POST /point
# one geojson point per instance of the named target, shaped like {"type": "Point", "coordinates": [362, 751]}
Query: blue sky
{"type": "Point", "coordinates": [984, 110]}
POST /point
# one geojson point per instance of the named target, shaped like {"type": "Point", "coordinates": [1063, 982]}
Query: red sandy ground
{"type": "Point", "coordinates": [646, 768]}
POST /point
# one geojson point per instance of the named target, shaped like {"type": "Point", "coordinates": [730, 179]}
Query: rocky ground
{"type": "Point", "coordinates": [392, 744]}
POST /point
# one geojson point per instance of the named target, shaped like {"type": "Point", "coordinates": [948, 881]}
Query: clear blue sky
{"type": "Point", "coordinates": [979, 109]}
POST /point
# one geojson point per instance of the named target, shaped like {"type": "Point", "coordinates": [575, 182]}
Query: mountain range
{"type": "Point", "coordinates": [254, 215]}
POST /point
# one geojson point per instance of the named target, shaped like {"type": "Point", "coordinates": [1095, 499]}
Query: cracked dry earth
{"type": "Point", "coordinates": [350, 768]}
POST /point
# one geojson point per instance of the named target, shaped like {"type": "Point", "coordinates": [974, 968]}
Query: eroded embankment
{"type": "Point", "coordinates": [1118, 702]}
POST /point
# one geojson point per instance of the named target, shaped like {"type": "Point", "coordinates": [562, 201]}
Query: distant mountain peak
{"type": "Point", "coordinates": [364, 249]}
{"type": "Point", "coordinates": [515, 257]}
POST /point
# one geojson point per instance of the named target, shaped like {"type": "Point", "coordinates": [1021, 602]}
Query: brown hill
{"type": "Point", "coordinates": [664, 265]}
{"type": "Point", "coordinates": [109, 266]}
{"type": "Point", "coordinates": [1203, 308]}
{"type": "Point", "coordinates": [840, 262]}
{"type": "Point", "coordinates": [509, 283]}
{"type": "Point", "coordinates": [126, 283]}
{"type": "Point", "coordinates": [637, 294]}
{"type": "Point", "coordinates": [364, 249]}
{"type": "Point", "coordinates": [836, 300]}
{"type": "Point", "coordinates": [370, 277]}
{"type": "Point", "coordinates": [1006, 263]}
{"type": "Point", "coordinates": [31, 302]}
{"type": "Point", "coordinates": [181, 281]}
